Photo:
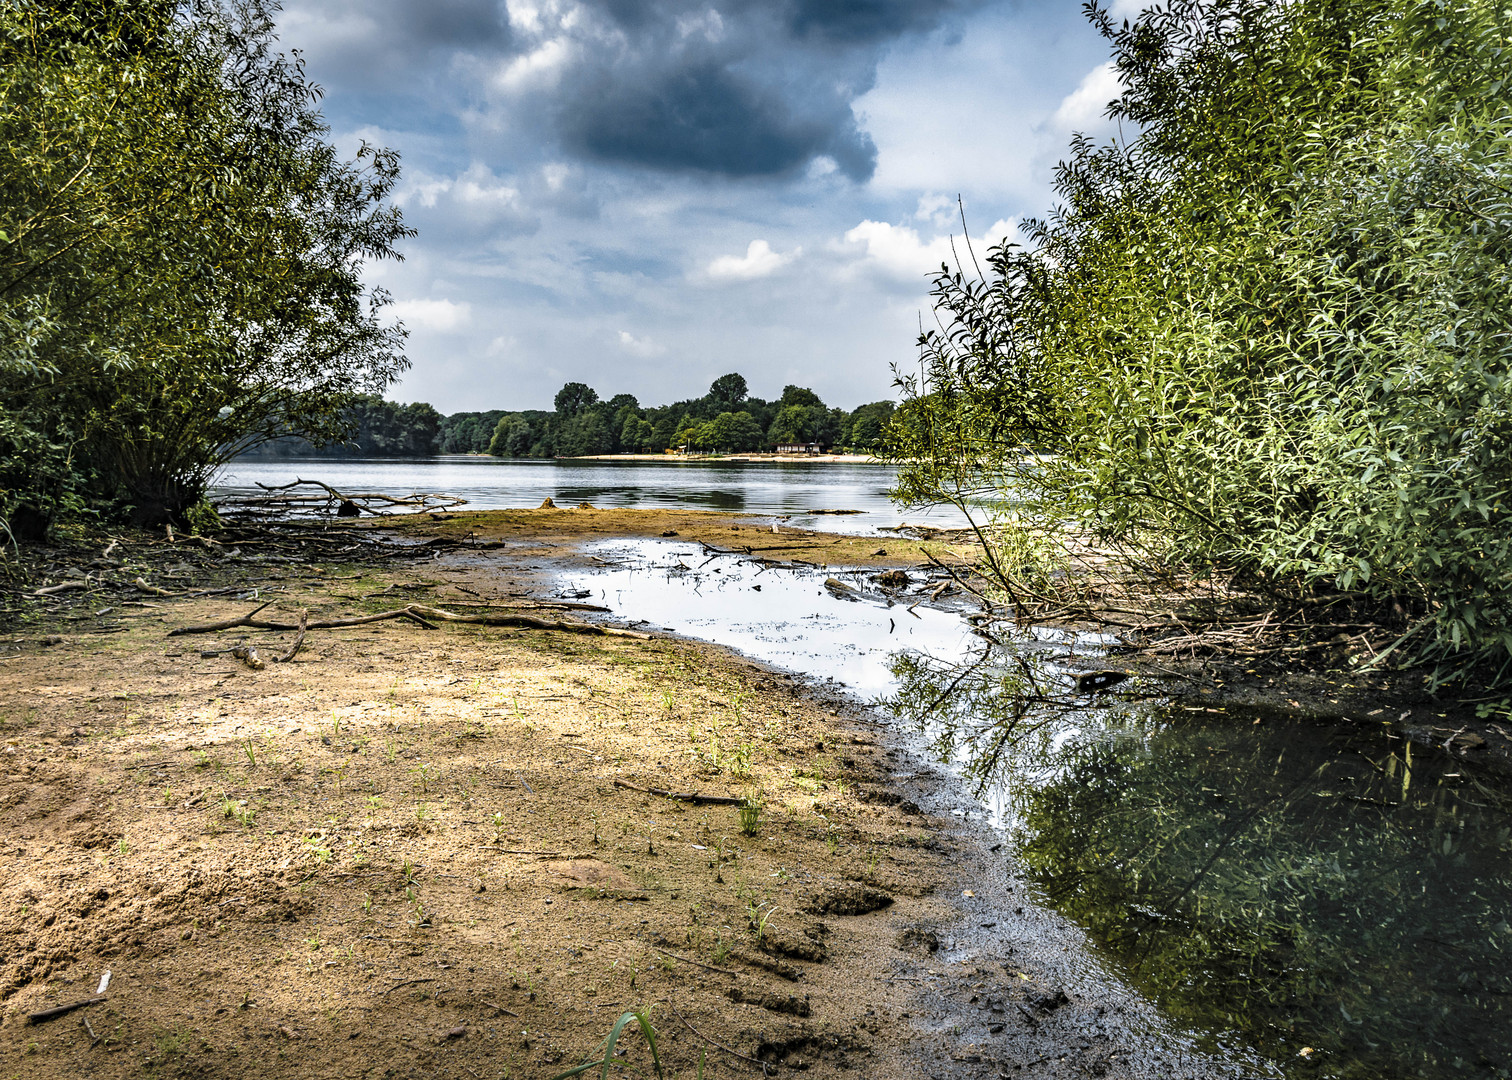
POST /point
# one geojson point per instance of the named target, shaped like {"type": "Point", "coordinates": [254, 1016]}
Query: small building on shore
{"type": "Point", "coordinates": [800, 448]}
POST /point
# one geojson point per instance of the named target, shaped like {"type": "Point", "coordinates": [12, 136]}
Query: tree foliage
{"type": "Point", "coordinates": [726, 419]}
{"type": "Point", "coordinates": [179, 252]}
{"type": "Point", "coordinates": [1267, 334]}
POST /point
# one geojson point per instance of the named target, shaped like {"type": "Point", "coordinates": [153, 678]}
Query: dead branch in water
{"type": "Point", "coordinates": [317, 497]}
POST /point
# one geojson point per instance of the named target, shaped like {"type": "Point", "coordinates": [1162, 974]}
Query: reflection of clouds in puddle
{"type": "Point", "coordinates": [783, 617]}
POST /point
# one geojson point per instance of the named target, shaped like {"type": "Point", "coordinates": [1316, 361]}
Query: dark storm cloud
{"type": "Point", "coordinates": [742, 88]}
{"type": "Point", "coordinates": [733, 88]}
{"type": "Point", "coordinates": [392, 46]}
{"type": "Point", "coordinates": [469, 24]}
{"type": "Point", "coordinates": [866, 21]}
{"type": "Point", "coordinates": [707, 119]}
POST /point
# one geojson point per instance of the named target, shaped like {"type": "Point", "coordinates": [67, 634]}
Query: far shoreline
{"type": "Point", "coordinates": [753, 458]}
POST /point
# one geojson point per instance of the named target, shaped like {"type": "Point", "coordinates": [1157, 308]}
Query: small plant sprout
{"type": "Point", "coordinates": [392, 751]}
{"type": "Point", "coordinates": [375, 802]}
{"type": "Point", "coordinates": [425, 774]}
{"type": "Point", "coordinates": [420, 812]}
{"type": "Point", "coordinates": [318, 852]}
{"type": "Point", "coordinates": [122, 847]}
{"type": "Point", "coordinates": [419, 916]}
{"type": "Point", "coordinates": [314, 942]}
{"type": "Point", "coordinates": [606, 1057]}
{"type": "Point", "coordinates": [247, 748]}
{"type": "Point", "coordinates": [498, 826]}
{"type": "Point", "coordinates": [759, 915]}
{"type": "Point", "coordinates": [721, 951]}
{"type": "Point", "coordinates": [750, 817]}
{"type": "Point", "coordinates": [335, 725]}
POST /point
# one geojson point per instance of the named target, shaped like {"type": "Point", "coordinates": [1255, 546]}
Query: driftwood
{"type": "Point", "coordinates": [67, 586]}
{"type": "Point", "coordinates": [249, 656]}
{"type": "Point", "coordinates": [151, 590]}
{"type": "Point", "coordinates": [681, 796]}
{"type": "Point", "coordinates": [62, 1010]}
{"type": "Point", "coordinates": [318, 497]}
{"type": "Point", "coordinates": [419, 613]}
{"type": "Point", "coordinates": [304, 620]}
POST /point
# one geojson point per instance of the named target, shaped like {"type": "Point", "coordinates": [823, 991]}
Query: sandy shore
{"type": "Point", "coordinates": [438, 852]}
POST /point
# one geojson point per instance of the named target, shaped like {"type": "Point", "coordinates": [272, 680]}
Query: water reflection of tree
{"type": "Point", "coordinates": [1308, 888]}
{"type": "Point", "coordinates": [976, 713]}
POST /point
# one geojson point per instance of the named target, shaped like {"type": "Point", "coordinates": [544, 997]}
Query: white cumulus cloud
{"type": "Point", "coordinates": [759, 261]}
{"type": "Point", "coordinates": [1127, 9]}
{"type": "Point", "coordinates": [443, 315]}
{"type": "Point", "coordinates": [1083, 108]}
{"type": "Point", "coordinates": [899, 251]}
{"type": "Point", "coordinates": [642, 347]}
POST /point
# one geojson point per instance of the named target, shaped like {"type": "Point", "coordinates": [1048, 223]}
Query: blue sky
{"type": "Point", "coordinates": [645, 194]}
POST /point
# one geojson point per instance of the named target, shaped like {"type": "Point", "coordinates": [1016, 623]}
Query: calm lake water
{"type": "Point", "coordinates": [1327, 894]}
{"type": "Point", "coordinates": [777, 489]}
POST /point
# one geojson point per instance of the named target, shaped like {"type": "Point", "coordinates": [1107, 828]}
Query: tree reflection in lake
{"type": "Point", "coordinates": [1335, 894]}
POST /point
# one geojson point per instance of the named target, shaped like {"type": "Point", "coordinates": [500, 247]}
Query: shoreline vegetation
{"type": "Point", "coordinates": [1260, 347]}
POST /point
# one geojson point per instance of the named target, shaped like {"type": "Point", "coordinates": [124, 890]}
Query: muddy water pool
{"type": "Point", "coordinates": [1328, 894]}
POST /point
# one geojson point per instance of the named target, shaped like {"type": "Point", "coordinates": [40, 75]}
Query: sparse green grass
{"type": "Point", "coordinates": [750, 817]}
{"type": "Point", "coordinates": [606, 1056]}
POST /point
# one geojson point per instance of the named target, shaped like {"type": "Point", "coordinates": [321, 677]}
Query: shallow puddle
{"type": "Point", "coordinates": [785, 617]}
{"type": "Point", "coordinates": [1328, 894]}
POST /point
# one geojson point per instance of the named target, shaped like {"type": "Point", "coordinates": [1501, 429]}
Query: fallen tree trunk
{"type": "Point", "coordinates": [416, 612]}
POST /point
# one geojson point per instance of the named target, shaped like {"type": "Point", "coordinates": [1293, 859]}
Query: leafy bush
{"type": "Point", "coordinates": [180, 251]}
{"type": "Point", "coordinates": [1267, 335]}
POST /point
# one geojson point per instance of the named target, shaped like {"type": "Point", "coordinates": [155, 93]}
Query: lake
{"type": "Point", "coordinates": [778, 489]}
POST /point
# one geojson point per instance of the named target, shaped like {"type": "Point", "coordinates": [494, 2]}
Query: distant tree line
{"type": "Point", "coordinates": [726, 419]}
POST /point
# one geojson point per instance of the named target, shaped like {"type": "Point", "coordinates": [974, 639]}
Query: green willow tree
{"type": "Point", "coordinates": [1266, 334]}
{"type": "Point", "coordinates": [180, 253]}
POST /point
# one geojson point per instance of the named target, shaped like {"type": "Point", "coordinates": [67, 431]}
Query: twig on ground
{"type": "Point", "coordinates": [62, 1010]}
{"type": "Point", "coordinates": [67, 586]}
{"type": "Point", "coordinates": [762, 1065]}
{"type": "Point", "coordinates": [408, 982]}
{"type": "Point", "coordinates": [680, 796]}
{"type": "Point", "coordinates": [304, 619]}
{"type": "Point", "coordinates": [698, 963]}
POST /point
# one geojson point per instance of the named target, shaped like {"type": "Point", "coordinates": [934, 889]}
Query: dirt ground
{"type": "Point", "coordinates": [421, 852]}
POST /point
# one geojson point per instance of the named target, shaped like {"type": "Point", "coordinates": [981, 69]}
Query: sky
{"type": "Point", "coordinates": [644, 195]}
